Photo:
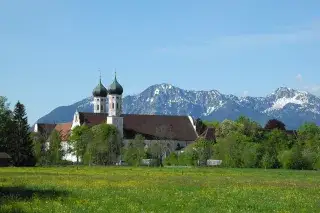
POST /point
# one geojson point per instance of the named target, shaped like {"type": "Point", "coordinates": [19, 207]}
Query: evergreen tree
{"type": "Point", "coordinates": [22, 151]}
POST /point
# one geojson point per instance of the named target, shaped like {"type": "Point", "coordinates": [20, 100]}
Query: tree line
{"type": "Point", "coordinates": [246, 144]}
{"type": "Point", "coordinates": [242, 143]}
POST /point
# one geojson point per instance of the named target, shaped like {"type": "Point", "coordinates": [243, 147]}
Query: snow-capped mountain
{"type": "Point", "coordinates": [291, 106]}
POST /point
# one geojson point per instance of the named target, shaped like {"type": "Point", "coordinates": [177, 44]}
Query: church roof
{"type": "Point", "coordinates": [64, 130]}
{"type": "Point", "coordinates": [150, 126]}
{"type": "Point", "coordinates": [159, 126]}
{"type": "Point", "coordinates": [91, 119]}
{"type": "Point", "coordinates": [45, 129]}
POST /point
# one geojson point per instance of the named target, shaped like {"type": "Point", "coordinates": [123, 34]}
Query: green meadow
{"type": "Point", "coordinates": [126, 189]}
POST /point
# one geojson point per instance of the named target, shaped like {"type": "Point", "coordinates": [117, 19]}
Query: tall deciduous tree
{"type": "Point", "coordinates": [23, 152]}
{"type": "Point", "coordinates": [135, 151]}
{"type": "Point", "coordinates": [204, 149]}
{"type": "Point", "coordinates": [39, 144]}
{"type": "Point", "coordinates": [55, 151]}
{"type": "Point", "coordinates": [80, 137]}
{"type": "Point", "coordinates": [6, 126]}
{"type": "Point", "coordinates": [105, 147]}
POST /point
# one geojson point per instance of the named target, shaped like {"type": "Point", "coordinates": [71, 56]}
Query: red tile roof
{"type": "Point", "coordinates": [160, 126]}
{"type": "Point", "coordinates": [45, 129]}
{"type": "Point", "coordinates": [64, 130]}
{"type": "Point", "coordinates": [91, 119]}
{"type": "Point", "coordinates": [151, 126]}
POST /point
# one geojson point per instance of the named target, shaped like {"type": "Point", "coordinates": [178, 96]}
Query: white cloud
{"type": "Point", "coordinates": [245, 93]}
{"type": "Point", "coordinates": [299, 77]}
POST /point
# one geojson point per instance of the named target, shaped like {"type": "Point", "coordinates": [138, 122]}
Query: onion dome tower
{"type": "Point", "coordinates": [115, 88]}
{"type": "Point", "coordinates": [115, 91]}
{"type": "Point", "coordinates": [115, 98]}
{"type": "Point", "coordinates": [99, 98]}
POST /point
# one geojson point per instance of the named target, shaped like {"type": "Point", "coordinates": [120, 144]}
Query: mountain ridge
{"type": "Point", "coordinates": [291, 106]}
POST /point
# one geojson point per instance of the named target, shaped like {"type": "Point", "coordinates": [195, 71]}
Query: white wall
{"type": "Point", "coordinates": [113, 101]}
{"type": "Point", "coordinates": [101, 102]}
{"type": "Point", "coordinates": [68, 156]}
{"type": "Point", "coordinates": [117, 122]}
{"type": "Point", "coordinates": [76, 120]}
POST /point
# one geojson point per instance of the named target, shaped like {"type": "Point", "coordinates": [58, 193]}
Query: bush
{"type": "Point", "coordinates": [249, 155]}
{"type": "Point", "coordinates": [298, 159]}
{"type": "Point", "coordinates": [172, 159]}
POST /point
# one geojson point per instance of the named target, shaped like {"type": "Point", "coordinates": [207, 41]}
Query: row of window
{"type": "Point", "coordinates": [102, 99]}
{"type": "Point", "coordinates": [101, 107]}
{"type": "Point", "coordinates": [111, 106]}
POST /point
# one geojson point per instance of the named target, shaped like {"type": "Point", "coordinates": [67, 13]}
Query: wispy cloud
{"type": "Point", "coordinates": [245, 93]}
{"type": "Point", "coordinates": [288, 35]}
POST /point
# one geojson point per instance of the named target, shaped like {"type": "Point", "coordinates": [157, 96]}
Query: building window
{"type": "Point", "coordinates": [97, 107]}
{"type": "Point", "coordinates": [117, 106]}
{"type": "Point", "coordinates": [101, 107]}
{"type": "Point", "coordinates": [112, 105]}
{"type": "Point", "coordinates": [97, 99]}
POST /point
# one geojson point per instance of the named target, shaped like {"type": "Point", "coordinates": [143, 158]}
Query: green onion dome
{"type": "Point", "coordinates": [115, 88]}
{"type": "Point", "coordinates": [100, 90]}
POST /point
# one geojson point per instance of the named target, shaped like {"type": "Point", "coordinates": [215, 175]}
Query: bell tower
{"type": "Point", "coordinates": [115, 105]}
{"type": "Point", "coordinates": [99, 98]}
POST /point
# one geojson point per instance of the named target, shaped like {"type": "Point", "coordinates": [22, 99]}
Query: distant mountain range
{"type": "Point", "coordinates": [291, 106]}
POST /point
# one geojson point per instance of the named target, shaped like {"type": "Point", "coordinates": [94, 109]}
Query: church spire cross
{"type": "Point", "coordinates": [99, 74]}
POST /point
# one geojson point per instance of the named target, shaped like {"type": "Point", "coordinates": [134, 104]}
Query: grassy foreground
{"type": "Point", "coordinates": [115, 189]}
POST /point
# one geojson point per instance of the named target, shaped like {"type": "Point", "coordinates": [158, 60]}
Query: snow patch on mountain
{"type": "Point", "coordinates": [289, 105]}
{"type": "Point", "coordinates": [282, 102]}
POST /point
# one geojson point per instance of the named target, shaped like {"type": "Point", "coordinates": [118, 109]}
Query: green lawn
{"type": "Point", "coordinates": [123, 189]}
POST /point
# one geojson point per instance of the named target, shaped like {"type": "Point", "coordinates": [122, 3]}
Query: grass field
{"type": "Point", "coordinates": [115, 189]}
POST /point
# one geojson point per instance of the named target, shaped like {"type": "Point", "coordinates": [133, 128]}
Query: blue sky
{"type": "Point", "coordinates": [50, 51]}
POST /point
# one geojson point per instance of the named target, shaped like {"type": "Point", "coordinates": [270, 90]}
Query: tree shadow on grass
{"type": "Point", "coordinates": [9, 195]}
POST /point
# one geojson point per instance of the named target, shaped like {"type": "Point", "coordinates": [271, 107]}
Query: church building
{"type": "Point", "coordinates": [176, 131]}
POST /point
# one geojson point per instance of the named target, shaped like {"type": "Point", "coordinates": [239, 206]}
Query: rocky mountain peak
{"type": "Point", "coordinates": [291, 106]}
